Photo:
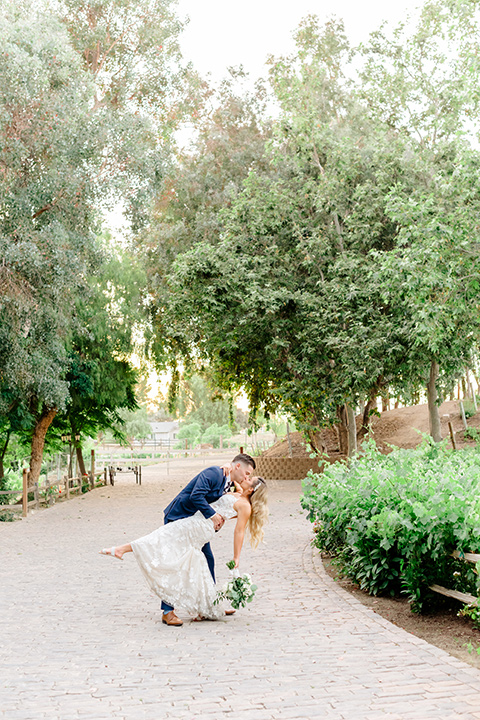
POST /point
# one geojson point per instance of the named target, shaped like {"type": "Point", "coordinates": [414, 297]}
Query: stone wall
{"type": "Point", "coordinates": [284, 468]}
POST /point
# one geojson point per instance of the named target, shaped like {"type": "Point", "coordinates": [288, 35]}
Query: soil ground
{"type": "Point", "coordinates": [400, 427]}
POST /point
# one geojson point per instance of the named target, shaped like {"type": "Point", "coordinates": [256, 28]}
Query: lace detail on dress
{"type": "Point", "coordinates": [224, 506]}
{"type": "Point", "coordinates": [174, 565]}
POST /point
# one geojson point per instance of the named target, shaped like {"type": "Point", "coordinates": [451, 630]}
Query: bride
{"type": "Point", "coordinates": [171, 557]}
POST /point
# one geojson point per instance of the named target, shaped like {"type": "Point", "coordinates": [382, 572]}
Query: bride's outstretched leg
{"type": "Point", "coordinates": [122, 549]}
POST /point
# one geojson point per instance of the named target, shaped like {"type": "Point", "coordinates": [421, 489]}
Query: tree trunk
{"type": "Point", "coordinates": [365, 427]}
{"type": "Point", "coordinates": [433, 413]}
{"type": "Point", "coordinates": [385, 401]}
{"type": "Point", "coordinates": [38, 443]}
{"type": "Point", "coordinates": [80, 462]}
{"type": "Point", "coordinates": [352, 430]}
{"type": "Point", "coordinates": [341, 429]}
{"type": "Point", "coordinates": [2, 455]}
{"type": "Point", "coordinates": [312, 441]}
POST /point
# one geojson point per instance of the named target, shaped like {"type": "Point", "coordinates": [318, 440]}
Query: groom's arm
{"type": "Point", "coordinates": [204, 484]}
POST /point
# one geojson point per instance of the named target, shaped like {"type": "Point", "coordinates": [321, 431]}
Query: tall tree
{"type": "Point", "coordinates": [50, 152]}
{"type": "Point", "coordinates": [422, 80]}
{"type": "Point", "coordinates": [282, 303]}
{"type": "Point", "coordinates": [229, 141]}
{"type": "Point", "coordinates": [88, 104]}
{"type": "Point", "coordinates": [99, 372]}
{"type": "Point", "coordinates": [142, 90]}
{"type": "Point", "coordinates": [334, 275]}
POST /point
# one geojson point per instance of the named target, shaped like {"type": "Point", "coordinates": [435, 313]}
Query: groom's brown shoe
{"type": "Point", "coordinates": [171, 619]}
{"type": "Point", "coordinates": [230, 612]}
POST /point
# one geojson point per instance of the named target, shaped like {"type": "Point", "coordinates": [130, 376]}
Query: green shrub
{"type": "Point", "coordinates": [8, 515]}
{"type": "Point", "coordinates": [11, 481]}
{"type": "Point", "coordinates": [472, 433]}
{"type": "Point", "coordinates": [393, 520]}
{"type": "Point", "coordinates": [473, 613]}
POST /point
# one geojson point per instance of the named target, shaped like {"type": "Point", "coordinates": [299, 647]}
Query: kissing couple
{"type": "Point", "coordinates": [177, 560]}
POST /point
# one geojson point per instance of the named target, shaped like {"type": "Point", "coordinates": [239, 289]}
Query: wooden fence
{"type": "Point", "coordinates": [46, 493]}
{"type": "Point", "coordinates": [125, 467]}
{"type": "Point", "coordinates": [456, 594]}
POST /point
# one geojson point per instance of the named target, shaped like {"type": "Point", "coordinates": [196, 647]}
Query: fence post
{"type": "Point", "coordinates": [24, 492]}
{"type": "Point", "coordinates": [92, 469]}
{"type": "Point", "coordinates": [105, 474]}
{"type": "Point", "coordinates": [452, 435]}
{"type": "Point", "coordinates": [139, 474]}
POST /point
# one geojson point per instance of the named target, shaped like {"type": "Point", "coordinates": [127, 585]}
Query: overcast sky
{"type": "Point", "coordinates": [221, 33]}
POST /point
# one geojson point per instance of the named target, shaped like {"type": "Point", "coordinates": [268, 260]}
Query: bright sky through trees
{"type": "Point", "coordinates": [222, 34]}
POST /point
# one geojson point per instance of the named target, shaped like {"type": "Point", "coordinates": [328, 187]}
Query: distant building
{"type": "Point", "coordinates": [163, 433]}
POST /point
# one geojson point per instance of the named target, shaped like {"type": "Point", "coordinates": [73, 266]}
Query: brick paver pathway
{"type": "Point", "coordinates": [81, 636]}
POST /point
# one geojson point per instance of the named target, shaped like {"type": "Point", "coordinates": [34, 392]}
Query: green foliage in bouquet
{"type": "Point", "coordinates": [238, 591]}
{"type": "Point", "coordinates": [392, 521]}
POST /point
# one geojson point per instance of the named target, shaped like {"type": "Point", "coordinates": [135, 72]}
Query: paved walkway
{"type": "Point", "coordinates": [81, 636]}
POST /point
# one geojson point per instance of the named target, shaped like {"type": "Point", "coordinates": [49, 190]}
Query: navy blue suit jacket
{"type": "Point", "coordinates": [205, 488]}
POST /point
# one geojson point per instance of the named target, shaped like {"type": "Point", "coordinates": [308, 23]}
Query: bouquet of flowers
{"type": "Point", "coordinates": [239, 590]}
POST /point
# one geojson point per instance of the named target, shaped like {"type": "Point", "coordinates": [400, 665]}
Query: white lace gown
{"type": "Point", "coordinates": [174, 565]}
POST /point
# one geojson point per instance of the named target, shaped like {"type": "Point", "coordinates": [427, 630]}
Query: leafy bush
{"type": "Point", "coordinates": [393, 520]}
{"type": "Point", "coordinates": [10, 481]}
{"type": "Point", "coordinates": [472, 433]}
{"type": "Point", "coordinates": [7, 516]}
{"type": "Point", "coordinates": [472, 612]}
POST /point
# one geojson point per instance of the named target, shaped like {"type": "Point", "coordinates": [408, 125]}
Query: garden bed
{"type": "Point", "coordinates": [399, 526]}
{"type": "Point", "coordinates": [442, 628]}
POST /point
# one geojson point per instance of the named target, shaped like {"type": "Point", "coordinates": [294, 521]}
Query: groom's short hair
{"type": "Point", "coordinates": [244, 458]}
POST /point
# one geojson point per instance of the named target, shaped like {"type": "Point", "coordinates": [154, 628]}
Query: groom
{"type": "Point", "coordinates": [205, 488]}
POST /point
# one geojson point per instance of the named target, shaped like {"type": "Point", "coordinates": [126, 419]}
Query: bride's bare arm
{"type": "Point", "coordinates": [243, 509]}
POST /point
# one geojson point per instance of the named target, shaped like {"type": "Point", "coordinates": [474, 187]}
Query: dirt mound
{"type": "Point", "coordinates": [401, 427]}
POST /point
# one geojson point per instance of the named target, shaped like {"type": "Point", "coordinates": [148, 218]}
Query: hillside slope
{"type": "Point", "coordinates": [401, 427]}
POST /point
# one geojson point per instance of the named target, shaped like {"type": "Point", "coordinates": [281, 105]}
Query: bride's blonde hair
{"type": "Point", "coordinates": [259, 514]}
